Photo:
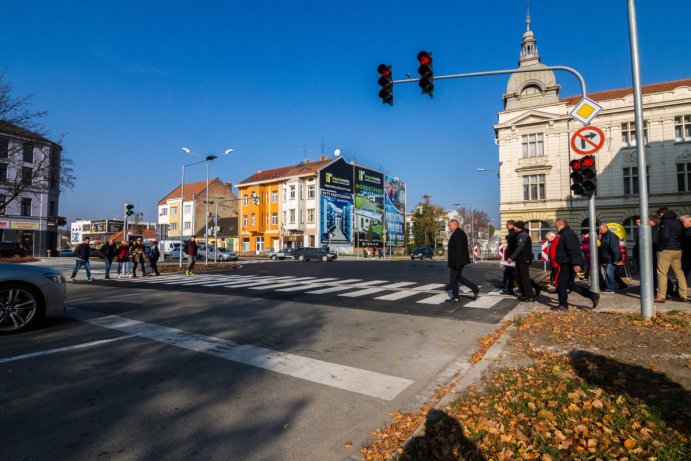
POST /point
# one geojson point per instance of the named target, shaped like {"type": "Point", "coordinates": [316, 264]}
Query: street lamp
{"type": "Point", "coordinates": [208, 160]}
{"type": "Point", "coordinates": [182, 203]}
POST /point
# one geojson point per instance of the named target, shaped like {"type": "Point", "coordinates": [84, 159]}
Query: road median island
{"type": "Point", "coordinates": [565, 385]}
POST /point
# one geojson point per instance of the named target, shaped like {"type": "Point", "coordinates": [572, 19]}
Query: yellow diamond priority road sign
{"type": "Point", "coordinates": [585, 111]}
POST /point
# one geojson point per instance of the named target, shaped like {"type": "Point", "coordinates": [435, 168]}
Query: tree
{"type": "Point", "coordinates": [479, 218]}
{"type": "Point", "coordinates": [425, 222]}
{"type": "Point", "coordinates": [24, 170]}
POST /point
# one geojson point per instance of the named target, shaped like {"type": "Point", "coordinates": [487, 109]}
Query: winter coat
{"type": "Point", "coordinates": [686, 245]}
{"type": "Point", "coordinates": [108, 251]}
{"type": "Point", "coordinates": [83, 251]}
{"type": "Point", "coordinates": [609, 251]}
{"type": "Point", "coordinates": [191, 248]}
{"type": "Point", "coordinates": [458, 249]}
{"type": "Point", "coordinates": [123, 253]}
{"type": "Point", "coordinates": [155, 253]}
{"type": "Point", "coordinates": [510, 243]}
{"type": "Point", "coordinates": [523, 252]}
{"type": "Point", "coordinates": [568, 249]}
{"type": "Point", "coordinates": [553, 252]}
{"type": "Point", "coordinates": [137, 252]}
{"type": "Point", "coordinates": [671, 232]}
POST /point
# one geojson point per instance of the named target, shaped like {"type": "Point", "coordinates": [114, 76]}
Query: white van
{"type": "Point", "coordinates": [166, 246]}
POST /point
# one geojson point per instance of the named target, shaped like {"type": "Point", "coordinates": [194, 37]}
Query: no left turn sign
{"type": "Point", "coordinates": [587, 140]}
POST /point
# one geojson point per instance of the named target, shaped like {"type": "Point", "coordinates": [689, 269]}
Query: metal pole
{"type": "Point", "coordinates": [124, 216]}
{"type": "Point", "coordinates": [472, 236]}
{"type": "Point", "coordinates": [646, 250]}
{"type": "Point", "coordinates": [206, 217]}
{"type": "Point", "coordinates": [182, 207]}
{"type": "Point", "coordinates": [592, 228]}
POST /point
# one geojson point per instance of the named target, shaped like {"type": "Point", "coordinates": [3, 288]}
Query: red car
{"type": "Point", "coordinates": [11, 250]}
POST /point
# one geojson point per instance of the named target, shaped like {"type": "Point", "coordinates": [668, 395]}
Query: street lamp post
{"type": "Point", "coordinates": [182, 204]}
{"type": "Point", "coordinates": [208, 160]}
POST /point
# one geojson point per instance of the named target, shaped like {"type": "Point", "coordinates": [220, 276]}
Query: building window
{"type": "Point", "coordinates": [187, 225]}
{"type": "Point", "coordinates": [628, 134]}
{"type": "Point", "coordinates": [684, 177]}
{"type": "Point", "coordinates": [631, 180]}
{"type": "Point", "coordinates": [310, 215]}
{"type": "Point", "coordinates": [311, 191]}
{"type": "Point", "coordinates": [534, 187]}
{"type": "Point", "coordinates": [631, 229]}
{"type": "Point", "coordinates": [3, 205]}
{"type": "Point", "coordinates": [245, 244]}
{"type": "Point", "coordinates": [173, 226]}
{"type": "Point", "coordinates": [244, 200]}
{"type": "Point", "coordinates": [274, 219]}
{"type": "Point", "coordinates": [52, 210]}
{"type": "Point", "coordinates": [292, 192]}
{"type": "Point", "coordinates": [164, 212]}
{"type": "Point", "coordinates": [28, 153]}
{"type": "Point", "coordinates": [259, 244]}
{"type": "Point", "coordinates": [173, 210]}
{"type": "Point", "coordinates": [4, 147]}
{"type": "Point", "coordinates": [187, 209]}
{"type": "Point", "coordinates": [3, 172]}
{"type": "Point", "coordinates": [302, 192]}
{"type": "Point", "coordinates": [292, 217]}
{"type": "Point", "coordinates": [538, 230]}
{"type": "Point", "coordinates": [254, 219]}
{"type": "Point", "coordinates": [682, 129]}
{"type": "Point", "coordinates": [244, 220]}
{"type": "Point", "coordinates": [266, 219]}
{"type": "Point", "coordinates": [25, 207]}
{"type": "Point", "coordinates": [27, 173]}
{"type": "Point", "coordinates": [274, 196]}
{"type": "Point", "coordinates": [533, 145]}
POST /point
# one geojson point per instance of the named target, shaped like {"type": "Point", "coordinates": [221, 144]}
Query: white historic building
{"type": "Point", "coordinates": [533, 134]}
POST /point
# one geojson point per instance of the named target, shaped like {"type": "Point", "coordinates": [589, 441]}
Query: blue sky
{"type": "Point", "coordinates": [131, 82]}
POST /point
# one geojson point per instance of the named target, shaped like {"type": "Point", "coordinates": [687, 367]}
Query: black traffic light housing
{"type": "Point", "coordinates": [426, 71]}
{"type": "Point", "coordinates": [386, 84]}
{"type": "Point", "coordinates": [583, 176]}
{"type": "Point", "coordinates": [128, 209]}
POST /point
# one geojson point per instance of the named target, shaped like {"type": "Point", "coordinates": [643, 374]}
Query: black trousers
{"type": "Point", "coordinates": [134, 268]}
{"type": "Point", "coordinates": [524, 280]}
{"type": "Point", "coordinates": [456, 276]}
{"type": "Point", "coordinates": [566, 280]}
{"type": "Point", "coordinates": [154, 266]}
{"type": "Point", "coordinates": [508, 280]}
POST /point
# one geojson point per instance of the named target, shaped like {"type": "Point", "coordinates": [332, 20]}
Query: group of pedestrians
{"type": "Point", "coordinates": [122, 254]}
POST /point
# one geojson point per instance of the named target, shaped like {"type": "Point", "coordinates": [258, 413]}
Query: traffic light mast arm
{"type": "Point", "coordinates": [504, 72]}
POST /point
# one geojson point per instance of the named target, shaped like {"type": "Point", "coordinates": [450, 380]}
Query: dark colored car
{"type": "Point", "coordinates": [11, 250]}
{"type": "Point", "coordinates": [67, 252]}
{"type": "Point", "coordinates": [94, 253]}
{"type": "Point", "coordinates": [307, 253]}
{"type": "Point", "coordinates": [422, 253]}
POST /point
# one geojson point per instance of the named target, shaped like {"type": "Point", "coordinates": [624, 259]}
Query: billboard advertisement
{"type": "Point", "coordinates": [394, 205]}
{"type": "Point", "coordinates": [368, 201]}
{"type": "Point", "coordinates": [336, 206]}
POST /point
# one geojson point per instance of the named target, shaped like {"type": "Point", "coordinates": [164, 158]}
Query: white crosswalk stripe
{"type": "Point", "coordinates": [430, 294]}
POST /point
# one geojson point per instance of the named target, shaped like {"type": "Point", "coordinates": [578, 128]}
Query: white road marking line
{"type": "Point", "coordinates": [399, 295]}
{"type": "Point", "coordinates": [237, 282]}
{"type": "Point", "coordinates": [371, 282]}
{"type": "Point", "coordinates": [398, 285]}
{"type": "Point", "coordinates": [484, 302]}
{"type": "Point", "coordinates": [62, 349]}
{"type": "Point", "coordinates": [307, 286]}
{"type": "Point", "coordinates": [257, 281]}
{"type": "Point", "coordinates": [329, 290]}
{"type": "Point", "coordinates": [352, 379]}
{"type": "Point", "coordinates": [431, 286]}
{"type": "Point", "coordinates": [283, 284]}
{"type": "Point", "coordinates": [436, 299]}
{"type": "Point", "coordinates": [350, 281]}
{"type": "Point", "coordinates": [366, 291]}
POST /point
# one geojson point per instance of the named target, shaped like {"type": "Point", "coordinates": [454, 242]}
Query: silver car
{"type": "Point", "coordinates": [27, 294]}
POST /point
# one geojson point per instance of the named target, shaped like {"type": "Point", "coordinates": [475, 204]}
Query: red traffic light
{"type": "Point", "coordinates": [576, 165]}
{"type": "Point", "coordinates": [424, 57]}
{"type": "Point", "coordinates": [384, 70]}
{"type": "Point", "coordinates": [588, 161]}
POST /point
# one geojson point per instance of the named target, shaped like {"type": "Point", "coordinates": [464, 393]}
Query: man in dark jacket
{"type": "Point", "coordinates": [522, 255]}
{"type": "Point", "coordinates": [108, 254]}
{"type": "Point", "coordinates": [570, 259]}
{"type": "Point", "coordinates": [458, 258]}
{"type": "Point", "coordinates": [191, 251]}
{"type": "Point", "coordinates": [686, 246]}
{"type": "Point", "coordinates": [508, 280]}
{"type": "Point", "coordinates": [82, 252]}
{"type": "Point", "coordinates": [669, 256]}
{"type": "Point", "coordinates": [154, 256]}
{"type": "Point", "coordinates": [609, 254]}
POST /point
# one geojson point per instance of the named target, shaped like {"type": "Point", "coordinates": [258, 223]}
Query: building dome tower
{"type": "Point", "coordinates": [530, 89]}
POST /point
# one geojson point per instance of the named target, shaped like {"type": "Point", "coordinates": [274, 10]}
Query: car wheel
{"type": "Point", "coordinates": [301, 258]}
{"type": "Point", "coordinates": [273, 258]}
{"type": "Point", "coordinates": [21, 307]}
{"type": "Point", "coordinates": [325, 258]}
{"type": "Point", "coordinates": [412, 258]}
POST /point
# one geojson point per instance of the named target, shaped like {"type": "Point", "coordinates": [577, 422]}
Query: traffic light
{"type": "Point", "coordinates": [583, 176]}
{"type": "Point", "coordinates": [386, 84]}
{"type": "Point", "coordinates": [128, 209]}
{"type": "Point", "coordinates": [589, 175]}
{"type": "Point", "coordinates": [426, 73]}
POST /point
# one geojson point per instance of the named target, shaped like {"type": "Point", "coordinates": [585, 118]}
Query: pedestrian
{"type": "Point", "coordinates": [523, 257]}
{"type": "Point", "coordinates": [138, 256]}
{"type": "Point", "coordinates": [669, 242]}
{"type": "Point", "coordinates": [686, 246]}
{"type": "Point", "coordinates": [108, 253]}
{"type": "Point", "coordinates": [585, 248]}
{"type": "Point", "coordinates": [553, 240]}
{"type": "Point", "coordinates": [82, 252]}
{"type": "Point", "coordinates": [458, 258]}
{"type": "Point", "coordinates": [191, 250]}
{"type": "Point", "coordinates": [381, 253]}
{"type": "Point", "coordinates": [154, 256]}
{"type": "Point", "coordinates": [609, 254]}
{"type": "Point", "coordinates": [570, 258]}
{"type": "Point", "coordinates": [123, 257]}
{"type": "Point", "coordinates": [509, 279]}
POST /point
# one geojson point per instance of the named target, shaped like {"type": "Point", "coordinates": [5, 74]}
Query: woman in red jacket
{"type": "Point", "coordinates": [123, 256]}
{"type": "Point", "coordinates": [553, 240]}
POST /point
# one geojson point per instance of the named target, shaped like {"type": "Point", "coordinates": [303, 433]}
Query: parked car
{"type": "Point", "coordinates": [270, 253]}
{"type": "Point", "coordinates": [307, 253]}
{"type": "Point", "coordinates": [285, 253]}
{"type": "Point", "coordinates": [175, 254]}
{"type": "Point", "coordinates": [67, 252]}
{"type": "Point", "coordinates": [94, 253]}
{"type": "Point", "coordinates": [220, 254]}
{"type": "Point", "coordinates": [166, 246]}
{"type": "Point", "coordinates": [28, 294]}
{"type": "Point", "coordinates": [11, 250]}
{"type": "Point", "coordinates": [422, 253]}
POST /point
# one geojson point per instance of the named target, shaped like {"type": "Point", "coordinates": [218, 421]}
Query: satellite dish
{"type": "Point", "coordinates": [337, 152]}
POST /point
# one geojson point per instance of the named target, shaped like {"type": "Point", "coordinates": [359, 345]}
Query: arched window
{"type": "Point", "coordinates": [538, 230]}
{"type": "Point", "coordinates": [631, 228]}
{"type": "Point", "coordinates": [531, 90]}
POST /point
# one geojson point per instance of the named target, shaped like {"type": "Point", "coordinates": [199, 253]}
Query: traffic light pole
{"type": "Point", "coordinates": [594, 272]}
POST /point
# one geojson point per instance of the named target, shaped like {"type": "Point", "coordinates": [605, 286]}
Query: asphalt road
{"type": "Point", "coordinates": [273, 360]}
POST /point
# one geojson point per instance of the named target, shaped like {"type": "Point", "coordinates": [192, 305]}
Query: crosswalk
{"type": "Point", "coordinates": [381, 290]}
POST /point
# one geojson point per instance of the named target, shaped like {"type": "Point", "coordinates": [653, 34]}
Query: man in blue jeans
{"type": "Point", "coordinates": [82, 252]}
{"type": "Point", "coordinates": [609, 253]}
